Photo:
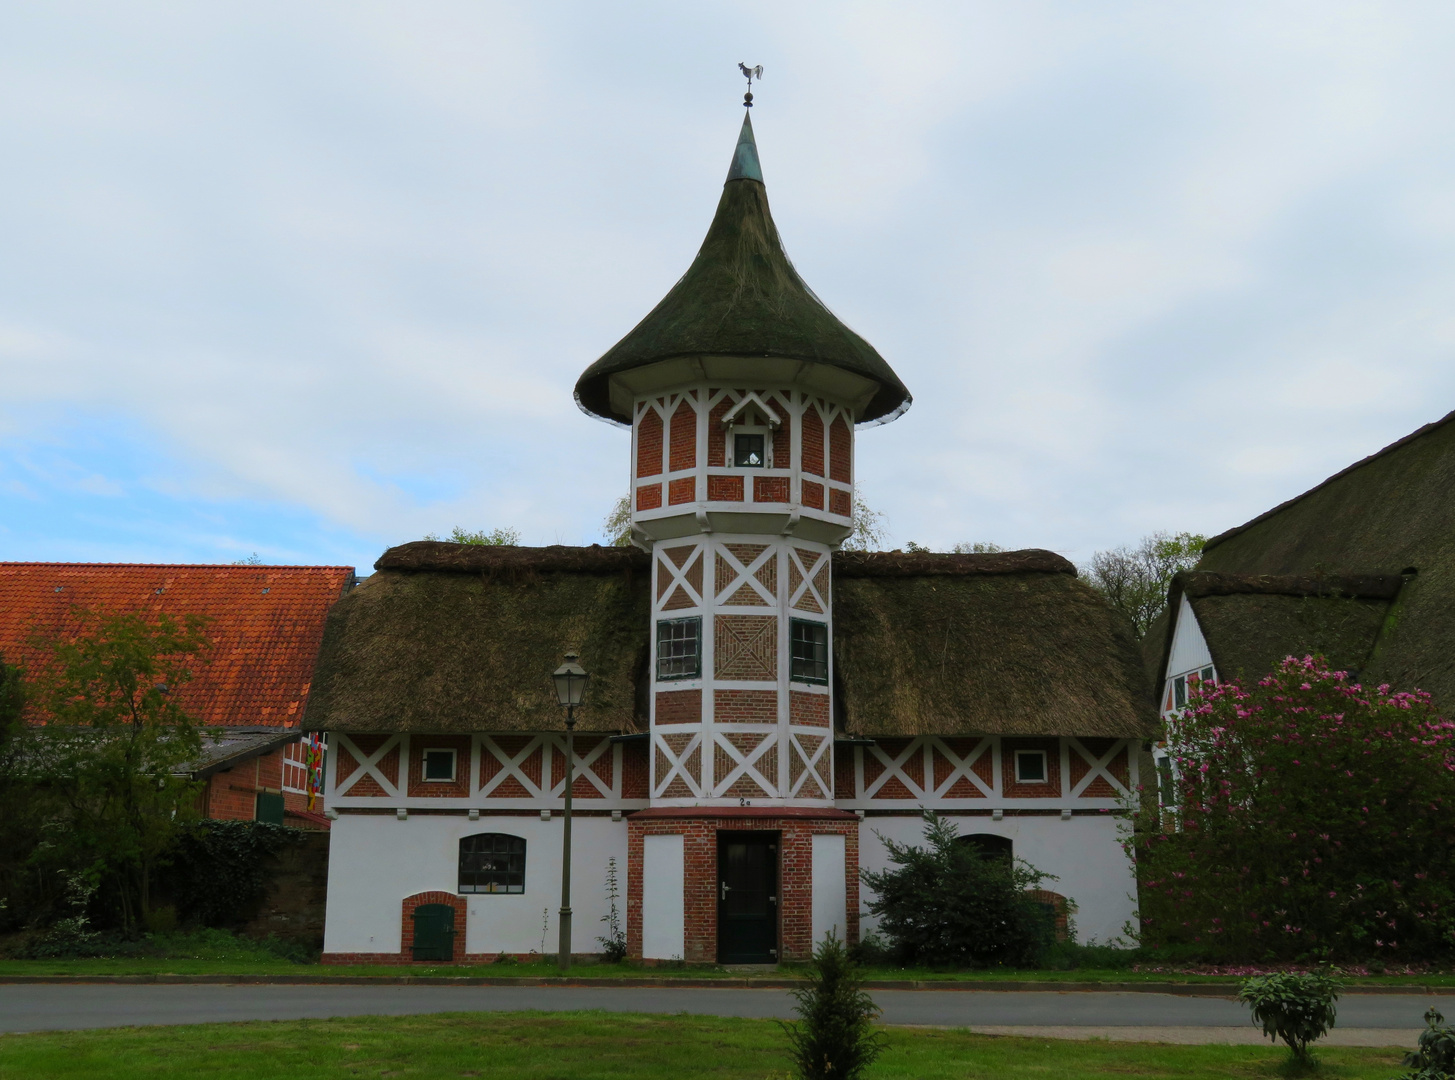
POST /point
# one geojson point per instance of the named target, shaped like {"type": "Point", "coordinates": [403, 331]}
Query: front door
{"type": "Point", "coordinates": [747, 906]}
{"type": "Point", "coordinates": [434, 932]}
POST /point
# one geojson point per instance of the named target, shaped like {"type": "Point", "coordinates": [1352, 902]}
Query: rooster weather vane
{"type": "Point", "coordinates": [751, 73]}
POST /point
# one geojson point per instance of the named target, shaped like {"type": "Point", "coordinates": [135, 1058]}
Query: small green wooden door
{"type": "Point", "coordinates": [434, 932]}
{"type": "Point", "coordinates": [269, 808]}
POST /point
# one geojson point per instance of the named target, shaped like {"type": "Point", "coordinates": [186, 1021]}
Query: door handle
{"type": "Point", "coordinates": [725, 888]}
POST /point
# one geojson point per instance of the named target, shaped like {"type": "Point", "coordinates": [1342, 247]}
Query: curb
{"type": "Point", "coordinates": [1213, 990]}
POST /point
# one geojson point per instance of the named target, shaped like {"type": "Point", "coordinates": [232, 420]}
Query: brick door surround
{"type": "Point", "coordinates": [699, 827]}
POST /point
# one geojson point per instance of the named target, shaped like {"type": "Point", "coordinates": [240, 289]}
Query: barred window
{"type": "Point", "coordinates": [492, 863]}
{"type": "Point", "coordinates": [809, 642]}
{"type": "Point", "coordinates": [679, 648]}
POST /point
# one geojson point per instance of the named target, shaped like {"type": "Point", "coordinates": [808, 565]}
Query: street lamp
{"type": "Point", "coordinates": [570, 679]}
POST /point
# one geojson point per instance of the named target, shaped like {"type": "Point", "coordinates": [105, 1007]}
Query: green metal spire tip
{"type": "Point", "coordinates": [745, 158]}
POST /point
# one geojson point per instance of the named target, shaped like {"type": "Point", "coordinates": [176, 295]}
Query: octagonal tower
{"type": "Point", "coordinates": [743, 392]}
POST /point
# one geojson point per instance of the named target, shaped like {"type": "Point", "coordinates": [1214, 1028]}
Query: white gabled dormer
{"type": "Point", "coordinates": [1189, 661]}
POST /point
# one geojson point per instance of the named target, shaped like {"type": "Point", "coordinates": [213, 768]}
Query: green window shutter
{"type": "Point", "coordinates": [269, 808]}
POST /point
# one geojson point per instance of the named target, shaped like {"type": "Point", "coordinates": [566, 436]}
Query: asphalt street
{"type": "Point", "coordinates": [52, 1007]}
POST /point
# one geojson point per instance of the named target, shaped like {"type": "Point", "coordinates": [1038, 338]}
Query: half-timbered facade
{"type": "Point", "coordinates": [765, 710]}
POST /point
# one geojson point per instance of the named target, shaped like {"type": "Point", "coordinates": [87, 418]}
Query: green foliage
{"type": "Point", "coordinates": [1299, 1009]}
{"type": "Point", "coordinates": [1434, 1057]}
{"type": "Point", "coordinates": [834, 1036]}
{"type": "Point", "coordinates": [617, 525]}
{"type": "Point", "coordinates": [115, 749]}
{"type": "Point", "coordinates": [947, 905]}
{"type": "Point", "coordinates": [219, 872]}
{"type": "Point", "coordinates": [505, 537]}
{"type": "Point", "coordinates": [1313, 822]}
{"type": "Point", "coordinates": [868, 524]}
{"type": "Point", "coordinates": [1135, 580]}
{"type": "Point", "coordinates": [978, 547]}
{"type": "Point", "coordinates": [197, 944]}
{"type": "Point", "coordinates": [613, 944]}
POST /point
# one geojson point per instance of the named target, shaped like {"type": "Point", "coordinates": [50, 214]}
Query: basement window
{"type": "Point", "coordinates": [809, 646]}
{"type": "Point", "coordinates": [492, 863]}
{"type": "Point", "coordinates": [679, 648]}
{"type": "Point", "coordinates": [439, 766]}
{"type": "Point", "coordinates": [1030, 767]}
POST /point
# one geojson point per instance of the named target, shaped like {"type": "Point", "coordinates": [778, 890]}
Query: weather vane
{"type": "Point", "coordinates": [751, 73]}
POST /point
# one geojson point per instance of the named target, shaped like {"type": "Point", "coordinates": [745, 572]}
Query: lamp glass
{"type": "Point", "coordinates": [570, 679]}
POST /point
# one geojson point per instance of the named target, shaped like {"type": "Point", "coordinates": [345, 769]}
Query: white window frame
{"type": "Point", "coordinates": [1045, 766]}
{"type": "Point", "coordinates": [424, 765]}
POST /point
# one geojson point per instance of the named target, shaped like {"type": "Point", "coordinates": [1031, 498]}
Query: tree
{"type": "Point", "coordinates": [116, 747]}
{"type": "Point", "coordinates": [1135, 580]}
{"type": "Point", "coordinates": [618, 524]}
{"type": "Point", "coordinates": [1312, 820]}
{"type": "Point", "coordinates": [506, 537]}
{"type": "Point", "coordinates": [979, 547]}
{"type": "Point", "coordinates": [834, 1037]}
{"type": "Point", "coordinates": [868, 524]}
{"type": "Point", "coordinates": [947, 904]}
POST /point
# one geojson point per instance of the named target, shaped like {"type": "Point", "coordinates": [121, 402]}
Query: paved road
{"type": "Point", "coordinates": [1385, 1019]}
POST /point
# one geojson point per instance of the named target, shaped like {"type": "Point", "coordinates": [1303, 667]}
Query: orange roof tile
{"type": "Point", "coordinates": [265, 623]}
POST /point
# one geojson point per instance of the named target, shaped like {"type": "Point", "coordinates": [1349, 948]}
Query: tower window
{"type": "Point", "coordinates": [809, 642]}
{"type": "Point", "coordinates": [679, 648]}
{"type": "Point", "coordinates": [749, 452]}
{"type": "Point", "coordinates": [492, 863]}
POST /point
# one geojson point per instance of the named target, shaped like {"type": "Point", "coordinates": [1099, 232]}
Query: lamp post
{"type": "Point", "coordinates": [570, 679]}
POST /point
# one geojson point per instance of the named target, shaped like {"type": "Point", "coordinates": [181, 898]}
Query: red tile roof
{"type": "Point", "coordinates": [265, 623]}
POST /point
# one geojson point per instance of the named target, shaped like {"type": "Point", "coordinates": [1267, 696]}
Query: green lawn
{"type": "Point", "coordinates": [579, 1046]}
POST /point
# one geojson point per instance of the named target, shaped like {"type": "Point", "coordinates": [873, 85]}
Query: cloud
{"type": "Point", "coordinates": [338, 267]}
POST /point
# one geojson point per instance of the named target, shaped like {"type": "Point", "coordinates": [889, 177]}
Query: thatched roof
{"type": "Point", "coordinates": [1008, 644]}
{"type": "Point", "coordinates": [1392, 512]}
{"type": "Point", "coordinates": [463, 637]}
{"type": "Point", "coordinates": [1252, 621]}
{"type": "Point", "coordinates": [449, 637]}
{"type": "Point", "coordinates": [742, 297]}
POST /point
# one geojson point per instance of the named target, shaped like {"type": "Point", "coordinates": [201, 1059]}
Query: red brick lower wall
{"type": "Point", "coordinates": [795, 869]}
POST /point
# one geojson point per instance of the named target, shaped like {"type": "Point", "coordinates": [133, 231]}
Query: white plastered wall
{"type": "Point", "coordinates": [375, 861]}
{"type": "Point", "coordinates": [1085, 853]}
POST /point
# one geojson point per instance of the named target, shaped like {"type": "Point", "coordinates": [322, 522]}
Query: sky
{"type": "Point", "coordinates": [307, 279]}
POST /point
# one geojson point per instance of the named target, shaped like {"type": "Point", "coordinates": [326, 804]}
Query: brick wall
{"type": "Point", "coordinates": [649, 496]}
{"type": "Point", "coordinates": [813, 440]}
{"type": "Point", "coordinates": [770, 489]}
{"type": "Point", "coordinates": [649, 443]}
{"type": "Point", "coordinates": [1049, 790]}
{"type": "Point", "coordinates": [459, 787]}
{"type": "Point", "coordinates": [678, 706]}
{"type": "Point", "coordinates": [725, 488]}
{"type": "Point", "coordinates": [795, 886]}
{"type": "Point", "coordinates": [745, 706]}
{"type": "Point", "coordinates": [840, 442]}
{"type": "Point", "coordinates": [682, 452]}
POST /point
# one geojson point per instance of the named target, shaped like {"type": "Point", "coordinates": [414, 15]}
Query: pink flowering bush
{"type": "Point", "coordinates": [1313, 819]}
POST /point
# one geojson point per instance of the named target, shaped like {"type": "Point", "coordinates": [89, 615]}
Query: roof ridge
{"type": "Point", "coordinates": [1199, 583]}
{"type": "Point", "coordinates": [937, 563]}
{"type": "Point", "coordinates": [183, 566]}
{"type": "Point", "coordinates": [1419, 432]}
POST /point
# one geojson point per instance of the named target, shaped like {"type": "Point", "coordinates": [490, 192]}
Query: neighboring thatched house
{"type": "Point", "coordinates": [762, 708]}
{"type": "Point", "coordinates": [1360, 569]}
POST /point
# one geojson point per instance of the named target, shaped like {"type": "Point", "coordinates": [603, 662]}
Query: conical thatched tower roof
{"type": "Point", "coordinates": [741, 297]}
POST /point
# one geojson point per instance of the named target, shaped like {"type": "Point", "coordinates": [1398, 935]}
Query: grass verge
{"type": "Point", "coordinates": [611, 1046]}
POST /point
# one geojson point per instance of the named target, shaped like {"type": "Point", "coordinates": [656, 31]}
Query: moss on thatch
{"type": "Point", "coordinates": [452, 637]}
{"type": "Point", "coordinates": [448, 637]}
{"type": "Point", "coordinates": [1007, 644]}
{"type": "Point", "coordinates": [742, 297]}
{"type": "Point", "coordinates": [1252, 621]}
{"type": "Point", "coordinates": [1391, 512]}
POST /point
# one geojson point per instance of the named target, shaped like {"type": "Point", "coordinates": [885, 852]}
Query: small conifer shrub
{"type": "Point", "coordinates": [834, 1037]}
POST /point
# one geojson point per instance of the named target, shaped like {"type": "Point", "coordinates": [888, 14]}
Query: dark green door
{"type": "Point", "coordinates": [747, 908]}
{"type": "Point", "coordinates": [434, 932]}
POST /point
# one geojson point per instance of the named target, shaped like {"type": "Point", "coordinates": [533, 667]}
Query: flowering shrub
{"type": "Point", "coordinates": [1313, 820]}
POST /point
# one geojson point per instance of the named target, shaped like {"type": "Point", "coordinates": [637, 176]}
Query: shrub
{"type": "Point", "coordinates": [947, 905]}
{"type": "Point", "coordinates": [1299, 1009]}
{"type": "Point", "coordinates": [613, 944]}
{"type": "Point", "coordinates": [1312, 819]}
{"type": "Point", "coordinates": [1434, 1059]}
{"type": "Point", "coordinates": [834, 1038]}
{"type": "Point", "coordinates": [219, 869]}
